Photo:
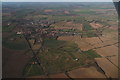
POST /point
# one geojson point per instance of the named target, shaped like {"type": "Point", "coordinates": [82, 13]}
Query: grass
{"type": "Point", "coordinates": [91, 54]}
{"type": "Point", "coordinates": [52, 43]}
{"type": "Point", "coordinates": [69, 30]}
{"type": "Point", "coordinates": [61, 56]}
{"type": "Point", "coordinates": [89, 33]}
{"type": "Point", "coordinates": [17, 44]}
{"type": "Point", "coordinates": [7, 28]}
{"type": "Point", "coordinates": [84, 11]}
{"type": "Point", "coordinates": [32, 69]}
{"type": "Point", "coordinates": [87, 26]}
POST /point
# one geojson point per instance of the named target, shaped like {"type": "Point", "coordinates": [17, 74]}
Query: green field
{"type": "Point", "coordinates": [32, 69]}
{"type": "Point", "coordinates": [18, 42]}
{"type": "Point", "coordinates": [60, 56]}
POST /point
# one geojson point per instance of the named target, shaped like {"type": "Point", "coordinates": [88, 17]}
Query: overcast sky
{"type": "Point", "coordinates": [57, 0]}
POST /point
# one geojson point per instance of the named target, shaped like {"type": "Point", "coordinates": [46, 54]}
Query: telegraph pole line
{"type": "Point", "coordinates": [35, 54]}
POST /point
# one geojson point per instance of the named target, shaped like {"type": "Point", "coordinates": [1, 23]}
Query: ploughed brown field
{"type": "Point", "coordinates": [114, 60]}
{"type": "Point", "coordinates": [110, 69]}
{"type": "Point", "coordinates": [14, 63]}
{"type": "Point", "coordinates": [108, 51]}
{"type": "Point", "coordinates": [90, 72]}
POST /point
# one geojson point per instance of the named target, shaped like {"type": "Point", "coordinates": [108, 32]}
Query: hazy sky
{"type": "Point", "coordinates": [57, 0]}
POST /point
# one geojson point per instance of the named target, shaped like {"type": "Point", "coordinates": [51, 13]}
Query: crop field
{"type": "Point", "coordinates": [86, 73]}
{"type": "Point", "coordinates": [60, 40]}
{"type": "Point", "coordinates": [32, 69]}
{"type": "Point", "coordinates": [61, 58]}
{"type": "Point", "coordinates": [13, 41]}
{"type": "Point", "coordinates": [114, 60]}
{"type": "Point", "coordinates": [108, 51]}
{"type": "Point", "coordinates": [79, 41]}
{"type": "Point", "coordinates": [108, 67]}
{"type": "Point", "coordinates": [68, 25]}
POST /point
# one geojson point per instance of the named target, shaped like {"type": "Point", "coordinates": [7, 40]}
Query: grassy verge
{"type": "Point", "coordinates": [91, 54]}
{"type": "Point", "coordinates": [32, 69]}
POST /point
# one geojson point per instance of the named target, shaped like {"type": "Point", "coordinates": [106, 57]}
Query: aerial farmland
{"type": "Point", "coordinates": [60, 40]}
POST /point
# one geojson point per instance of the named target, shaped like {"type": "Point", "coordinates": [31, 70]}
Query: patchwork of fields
{"type": "Point", "coordinates": [67, 40]}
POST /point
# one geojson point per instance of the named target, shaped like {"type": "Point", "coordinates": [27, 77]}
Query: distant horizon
{"type": "Point", "coordinates": [56, 1]}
